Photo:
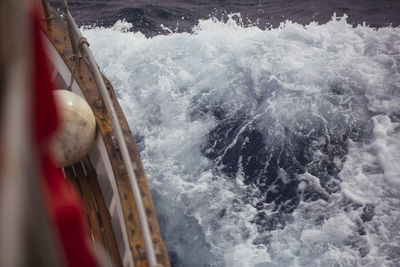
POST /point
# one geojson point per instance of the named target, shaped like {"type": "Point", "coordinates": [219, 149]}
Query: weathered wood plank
{"type": "Point", "coordinates": [104, 214]}
{"type": "Point", "coordinates": [90, 205]}
{"type": "Point", "coordinates": [71, 176]}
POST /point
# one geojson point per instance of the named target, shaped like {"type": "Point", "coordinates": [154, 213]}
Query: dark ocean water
{"type": "Point", "coordinates": [147, 16]}
{"type": "Point", "coordinates": [264, 146]}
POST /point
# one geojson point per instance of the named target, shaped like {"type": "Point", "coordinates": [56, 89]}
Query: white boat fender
{"type": "Point", "coordinates": [77, 131]}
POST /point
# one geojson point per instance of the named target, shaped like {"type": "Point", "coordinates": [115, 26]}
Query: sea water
{"type": "Point", "coordinates": [274, 147]}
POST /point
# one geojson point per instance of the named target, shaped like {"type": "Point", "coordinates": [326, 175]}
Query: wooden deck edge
{"type": "Point", "coordinates": [57, 33]}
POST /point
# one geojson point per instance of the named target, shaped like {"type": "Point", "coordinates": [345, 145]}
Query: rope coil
{"type": "Point", "coordinates": [82, 40]}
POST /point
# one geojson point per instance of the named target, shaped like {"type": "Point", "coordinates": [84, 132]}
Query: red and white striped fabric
{"type": "Point", "coordinates": [63, 213]}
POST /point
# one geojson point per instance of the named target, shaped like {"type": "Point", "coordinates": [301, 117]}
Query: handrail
{"type": "Point", "coordinates": [82, 45]}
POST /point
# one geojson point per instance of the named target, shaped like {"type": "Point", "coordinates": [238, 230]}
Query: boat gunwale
{"type": "Point", "coordinates": [56, 31]}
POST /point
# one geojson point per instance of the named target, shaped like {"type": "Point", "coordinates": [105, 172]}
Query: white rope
{"type": "Point", "coordinates": [151, 257]}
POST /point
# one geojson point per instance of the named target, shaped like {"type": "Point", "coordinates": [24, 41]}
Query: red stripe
{"type": "Point", "coordinates": [63, 202]}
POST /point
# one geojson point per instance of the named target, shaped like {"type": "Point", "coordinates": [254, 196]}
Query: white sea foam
{"type": "Point", "coordinates": [206, 218]}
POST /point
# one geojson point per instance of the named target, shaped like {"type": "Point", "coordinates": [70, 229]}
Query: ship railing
{"type": "Point", "coordinates": [81, 45]}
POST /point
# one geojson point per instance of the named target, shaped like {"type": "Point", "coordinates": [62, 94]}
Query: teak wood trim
{"type": "Point", "coordinates": [88, 186]}
{"type": "Point", "coordinates": [57, 33]}
{"type": "Point", "coordinates": [90, 205]}
{"type": "Point", "coordinates": [104, 214]}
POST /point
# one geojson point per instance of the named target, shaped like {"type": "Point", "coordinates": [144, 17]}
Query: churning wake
{"type": "Point", "coordinates": [276, 147]}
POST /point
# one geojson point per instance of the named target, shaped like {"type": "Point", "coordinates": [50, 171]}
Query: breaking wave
{"type": "Point", "coordinates": [275, 147]}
